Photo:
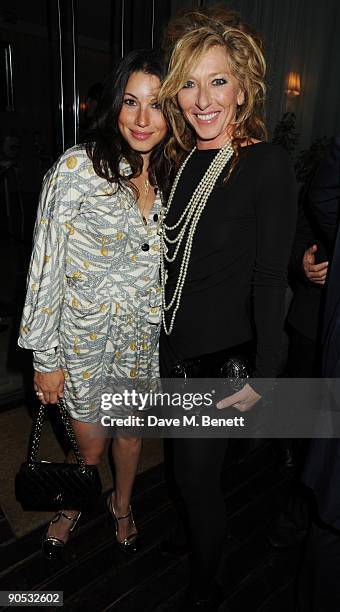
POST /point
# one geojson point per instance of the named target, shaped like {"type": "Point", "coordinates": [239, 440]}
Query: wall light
{"type": "Point", "coordinates": [293, 87]}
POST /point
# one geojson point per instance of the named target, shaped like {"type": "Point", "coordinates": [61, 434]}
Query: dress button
{"type": "Point", "coordinates": [145, 246]}
{"type": "Point", "coordinates": [155, 217]}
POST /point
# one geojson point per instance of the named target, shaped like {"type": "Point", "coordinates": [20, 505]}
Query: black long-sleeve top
{"type": "Point", "coordinates": [237, 277]}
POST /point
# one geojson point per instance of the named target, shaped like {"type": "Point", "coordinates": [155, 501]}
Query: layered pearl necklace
{"type": "Point", "coordinates": [187, 224]}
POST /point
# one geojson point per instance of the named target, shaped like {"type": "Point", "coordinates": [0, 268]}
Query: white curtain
{"type": "Point", "coordinates": [301, 36]}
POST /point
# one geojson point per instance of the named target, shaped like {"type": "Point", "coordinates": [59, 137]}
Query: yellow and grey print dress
{"type": "Point", "coordinates": [93, 298]}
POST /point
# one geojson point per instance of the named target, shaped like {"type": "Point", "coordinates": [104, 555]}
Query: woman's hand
{"type": "Point", "coordinates": [49, 386]}
{"type": "Point", "coordinates": [243, 400]}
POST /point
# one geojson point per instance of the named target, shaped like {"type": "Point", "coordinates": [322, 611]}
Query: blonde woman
{"type": "Point", "coordinates": [225, 250]}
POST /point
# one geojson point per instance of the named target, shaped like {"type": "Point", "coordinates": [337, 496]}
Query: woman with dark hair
{"type": "Point", "coordinates": [226, 239]}
{"type": "Point", "coordinates": [92, 308]}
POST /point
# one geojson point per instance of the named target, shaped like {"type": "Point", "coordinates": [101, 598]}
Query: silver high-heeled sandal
{"type": "Point", "coordinates": [130, 544]}
{"type": "Point", "coordinates": [52, 546]}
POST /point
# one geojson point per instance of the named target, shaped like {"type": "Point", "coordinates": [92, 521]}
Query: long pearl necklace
{"type": "Point", "coordinates": [187, 224]}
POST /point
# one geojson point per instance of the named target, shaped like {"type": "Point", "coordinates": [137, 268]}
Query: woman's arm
{"type": "Point", "coordinates": [276, 214]}
{"type": "Point", "coordinates": [39, 330]}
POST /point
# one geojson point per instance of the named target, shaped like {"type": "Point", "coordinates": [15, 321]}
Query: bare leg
{"type": "Point", "coordinates": [126, 453]}
{"type": "Point", "coordinates": [91, 449]}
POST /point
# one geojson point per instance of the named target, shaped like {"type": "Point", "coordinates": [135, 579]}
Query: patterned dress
{"type": "Point", "coordinates": [93, 297]}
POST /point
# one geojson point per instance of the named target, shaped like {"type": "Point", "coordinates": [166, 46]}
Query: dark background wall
{"type": "Point", "coordinates": [299, 35]}
{"type": "Point", "coordinates": [59, 48]}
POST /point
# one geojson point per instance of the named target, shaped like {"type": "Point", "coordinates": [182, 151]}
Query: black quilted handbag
{"type": "Point", "coordinates": [43, 485]}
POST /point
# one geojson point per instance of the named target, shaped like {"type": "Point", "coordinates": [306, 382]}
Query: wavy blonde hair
{"type": "Point", "coordinates": [245, 62]}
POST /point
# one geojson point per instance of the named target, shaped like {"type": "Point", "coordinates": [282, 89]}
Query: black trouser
{"type": "Point", "coordinates": [319, 584]}
{"type": "Point", "coordinates": [302, 362]}
{"type": "Point", "coordinates": [198, 465]}
{"type": "Point", "coordinates": [303, 356]}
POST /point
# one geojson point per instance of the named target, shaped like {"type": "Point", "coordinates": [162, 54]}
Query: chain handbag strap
{"type": "Point", "coordinates": [37, 430]}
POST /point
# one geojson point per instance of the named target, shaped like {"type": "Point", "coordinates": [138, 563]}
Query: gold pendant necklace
{"type": "Point", "coordinates": [146, 193]}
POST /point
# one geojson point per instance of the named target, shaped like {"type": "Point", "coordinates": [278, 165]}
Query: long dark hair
{"type": "Point", "coordinates": [106, 146]}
